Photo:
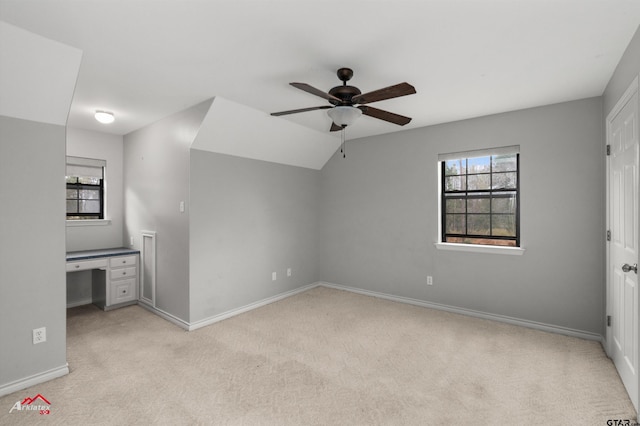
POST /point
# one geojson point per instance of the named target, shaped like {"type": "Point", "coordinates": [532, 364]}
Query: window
{"type": "Point", "coordinates": [85, 188]}
{"type": "Point", "coordinates": [480, 197]}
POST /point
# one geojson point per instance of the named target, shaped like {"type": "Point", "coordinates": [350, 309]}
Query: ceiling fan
{"type": "Point", "coordinates": [348, 102]}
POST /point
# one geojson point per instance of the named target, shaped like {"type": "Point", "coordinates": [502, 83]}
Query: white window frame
{"type": "Point", "coordinates": [78, 166]}
{"type": "Point", "coordinates": [475, 248]}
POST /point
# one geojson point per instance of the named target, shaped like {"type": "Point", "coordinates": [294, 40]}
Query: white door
{"type": "Point", "coordinates": [622, 282]}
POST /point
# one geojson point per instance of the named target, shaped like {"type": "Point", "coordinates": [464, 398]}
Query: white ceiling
{"type": "Point", "coordinates": [146, 59]}
{"type": "Point", "coordinates": [266, 139]}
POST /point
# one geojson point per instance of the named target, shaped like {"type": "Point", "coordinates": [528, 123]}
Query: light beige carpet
{"type": "Point", "coordinates": [325, 357]}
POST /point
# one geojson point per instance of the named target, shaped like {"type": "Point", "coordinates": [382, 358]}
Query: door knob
{"type": "Point", "coordinates": [626, 268]}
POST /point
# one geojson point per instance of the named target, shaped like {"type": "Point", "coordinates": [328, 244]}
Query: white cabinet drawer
{"type": "Point", "coordinates": [123, 291]}
{"type": "Point", "coordinates": [83, 265]}
{"type": "Point", "coordinates": [122, 273]}
{"type": "Point", "coordinates": [117, 262]}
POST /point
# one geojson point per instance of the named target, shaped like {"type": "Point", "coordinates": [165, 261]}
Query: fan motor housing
{"type": "Point", "coordinates": [344, 93]}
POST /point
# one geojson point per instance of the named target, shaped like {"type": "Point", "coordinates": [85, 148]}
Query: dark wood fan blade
{"type": "Point", "coordinates": [295, 111]}
{"type": "Point", "coordinates": [335, 127]}
{"type": "Point", "coordinates": [396, 91]}
{"type": "Point", "coordinates": [314, 91]}
{"type": "Point", "coordinates": [398, 119]}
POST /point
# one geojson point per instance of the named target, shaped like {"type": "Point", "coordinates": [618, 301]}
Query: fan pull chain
{"type": "Point", "coordinates": [343, 150]}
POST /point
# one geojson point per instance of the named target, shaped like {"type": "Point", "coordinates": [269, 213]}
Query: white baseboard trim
{"type": "Point", "coordinates": [453, 309]}
{"type": "Point", "coordinates": [77, 303]}
{"type": "Point", "coordinates": [211, 320]}
{"type": "Point", "coordinates": [165, 315]}
{"type": "Point", "coordinates": [469, 312]}
{"type": "Point", "coordinates": [33, 380]}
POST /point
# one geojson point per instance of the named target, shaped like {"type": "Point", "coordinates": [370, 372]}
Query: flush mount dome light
{"type": "Point", "coordinates": [344, 115]}
{"type": "Point", "coordinates": [104, 117]}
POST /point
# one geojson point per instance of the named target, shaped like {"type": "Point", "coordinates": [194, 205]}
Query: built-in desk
{"type": "Point", "coordinates": [114, 275]}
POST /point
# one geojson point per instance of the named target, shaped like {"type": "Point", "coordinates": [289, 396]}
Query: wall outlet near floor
{"type": "Point", "coordinates": [429, 280]}
{"type": "Point", "coordinates": [288, 272]}
{"type": "Point", "coordinates": [39, 335]}
{"type": "Point", "coordinates": [274, 276]}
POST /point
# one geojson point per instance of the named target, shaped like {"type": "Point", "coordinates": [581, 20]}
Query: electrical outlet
{"type": "Point", "coordinates": [131, 241]}
{"type": "Point", "coordinates": [273, 276]}
{"type": "Point", "coordinates": [288, 272]}
{"type": "Point", "coordinates": [429, 280]}
{"type": "Point", "coordinates": [39, 335]}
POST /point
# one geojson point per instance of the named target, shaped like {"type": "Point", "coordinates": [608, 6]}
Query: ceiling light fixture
{"type": "Point", "coordinates": [344, 115]}
{"type": "Point", "coordinates": [104, 117]}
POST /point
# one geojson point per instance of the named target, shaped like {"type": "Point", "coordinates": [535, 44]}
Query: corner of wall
{"type": "Point", "coordinates": [156, 198]}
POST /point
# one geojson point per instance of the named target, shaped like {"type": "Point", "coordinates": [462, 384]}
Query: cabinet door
{"type": "Point", "coordinates": [123, 291]}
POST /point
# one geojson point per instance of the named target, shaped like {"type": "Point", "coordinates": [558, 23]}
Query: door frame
{"type": "Point", "coordinates": [628, 94]}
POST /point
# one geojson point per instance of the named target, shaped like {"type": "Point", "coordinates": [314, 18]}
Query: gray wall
{"type": "Point", "coordinates": [379, 217]}
{"type": "Point", "coordinates": [32, 247]}
{"type": "Point", "coordinates": [628, 68]}
{"type": "Point", "coordinates": [156, 179]}
{"type": "Point", "coordinates": [249, 218]}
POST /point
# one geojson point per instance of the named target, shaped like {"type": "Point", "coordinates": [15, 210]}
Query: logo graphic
{"type": "Point", "coordinates": [38, 404]}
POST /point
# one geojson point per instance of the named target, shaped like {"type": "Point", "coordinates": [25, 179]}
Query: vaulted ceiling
{"type": "Point", "coordinates": [146, 59]}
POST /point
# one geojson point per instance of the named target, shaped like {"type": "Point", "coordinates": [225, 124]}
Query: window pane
{"type": "Point", "coordinates": [505, 163]}
{"type": "Point", "coordinates": [479, 182]}
{"type": "Point", "coordinates": [480, 200]}
{"type": "Point", "coordinates": [89, 180]}
{"type": "Point", "coordinates": [454, 167]}
{"type": "Point", "coordinates": [72, 207]}
{"type": "Point", "coordinates": [89, 206]}
{"type": "Point", "coordinates": [72, 194]}
{"type": "Point", "coordinates": [506, 180]}
{"type": "Point", "coordinates": [478, 205]}
{"type": "Point", "coordinates": [479, 165]}
{"type": "Point", "coordinates": [72, 179]}
{"type": "Point", "coordinates": [90, 194]}
{"type": "Point", "coordinates": [504, 225]}
{"type": "Point", "coordinates": [455, 205]}
{"type": "Point", "coordinates": [454, 183]}
{"type": "Point", "coordinates": [455, 224]}
{"type": "Point", "coordinates": [479, 224]}
{"type": "Point", "coordinates": [504, 204]}
{"type": "Point", "coordinates": [485, 241]}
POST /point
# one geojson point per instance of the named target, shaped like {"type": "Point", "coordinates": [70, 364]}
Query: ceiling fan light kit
{"type": "Point", "coordinates": [344, 115]}
{"type": "Point", "coordinates": [347, 102]}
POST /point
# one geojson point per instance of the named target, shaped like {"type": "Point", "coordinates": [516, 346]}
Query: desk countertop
{"type": "Point", "coordinates": [93, 254]}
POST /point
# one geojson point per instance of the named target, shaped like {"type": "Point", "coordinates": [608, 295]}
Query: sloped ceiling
{"type": "Point", "coordinates": [145, 60]}
{"type": "Point", "coordinates": [37, 76]}
{"type": "Point", "coordinates": [225, 130]}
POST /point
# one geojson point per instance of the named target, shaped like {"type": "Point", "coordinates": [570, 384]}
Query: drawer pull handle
{"type": "Point", "coordinates": [124, 272]}
{"type": "Point", "coordinates": [77, 266]}
{"type": "Point", "coordinates": [124, 261]}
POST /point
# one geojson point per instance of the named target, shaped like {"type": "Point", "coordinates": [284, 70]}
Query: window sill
{"type": "Point", "coordinates": [89, 222]}
{"type": "Point", "coordinates": [477, 248]}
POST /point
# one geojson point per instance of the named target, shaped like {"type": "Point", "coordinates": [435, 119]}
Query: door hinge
{"type": "Point", "coordinates": [608, 149]}
{"type": "Point", "coordinates": [608, 235]}
{"type": "Point", "coordinates": [608, 320]}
